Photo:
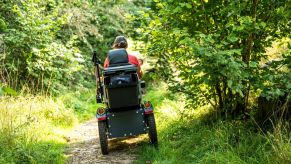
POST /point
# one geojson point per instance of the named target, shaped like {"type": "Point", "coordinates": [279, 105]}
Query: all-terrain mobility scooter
{"type": "Point", "coordinates": [119, 89]}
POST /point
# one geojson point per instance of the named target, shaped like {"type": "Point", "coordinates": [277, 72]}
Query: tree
{"type": "Point", "coordinates": [47, 45]}
{"type": "Point", "coordinates": [211, 50]}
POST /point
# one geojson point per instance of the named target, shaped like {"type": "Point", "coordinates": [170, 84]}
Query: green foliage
{"type": "Point", "coordinates": [193, 138]}
{"type": "Point", "coordinates": [211, 50]}
{"type": "Point", "coordinates": [276, 76]}
{"type": "Point", "coordinates": [32, 54]}
{"type": "Point", "coordinates": [27, 129]}
{"type": "Point", "coordinates": [4, 90]}
{"type": "Point", "coordinates": [47, 45]}
{"type": "Point", "coordinates": [3, 25]}
{"type": "Point", "coordinates": [82, 101]}
{"type": "Point", "coordinates": [32, 127]}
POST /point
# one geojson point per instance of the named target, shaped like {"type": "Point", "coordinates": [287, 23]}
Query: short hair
{"type": "Point", "coordinates": [120, 42]}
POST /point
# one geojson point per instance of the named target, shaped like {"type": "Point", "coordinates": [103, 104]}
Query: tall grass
{"type": "Point", "coordinates": [190, 137]}
{"type": "Point", "coordinates": [32, 127]}
{"type": "Point", "coordinates": [27, 126]}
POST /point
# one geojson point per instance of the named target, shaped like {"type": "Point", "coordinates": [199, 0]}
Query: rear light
{"type": "Point", "coordinates": [101, 114]}
{"type": "Point", "coordinates": [100, 111]}
{"type": "Point", "coordinates": [148, 108]}
{"type": "Point", "coordinates": [147, 104]}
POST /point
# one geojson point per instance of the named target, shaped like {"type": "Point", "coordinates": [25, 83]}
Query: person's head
{"type": "Point", "coordinates": [120, 42]}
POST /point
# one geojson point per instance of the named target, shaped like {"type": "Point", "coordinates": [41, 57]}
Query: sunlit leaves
{"type": "Point", "coordinates": [48, 44]}
{"type": "Point", "coordinates": [211, 50]}
{"type": "Point", "coordinates": [31, 40]}
{"type": "Point", "coordinates": [3, 25]}
{"type": "Point", "coordinates": [5, 90]}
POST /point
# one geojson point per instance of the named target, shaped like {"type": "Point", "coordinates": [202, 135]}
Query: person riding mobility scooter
{"type": "Point", "coordinates": [125, 114]}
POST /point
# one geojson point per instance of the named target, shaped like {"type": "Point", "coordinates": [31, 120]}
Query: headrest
{"type": "Point", "coordinates": [117, 56]}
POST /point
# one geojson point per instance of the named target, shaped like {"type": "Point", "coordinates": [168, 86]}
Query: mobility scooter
{"type": "Point", "coordinates": [120, 90]}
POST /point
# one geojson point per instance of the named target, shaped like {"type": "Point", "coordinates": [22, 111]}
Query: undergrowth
{"type": "Point", "coordinates": [32, 127]}
{"type": "Point", "coordinates": [82, 101]}
{"type": "Point", "coordinates": [190, 137]}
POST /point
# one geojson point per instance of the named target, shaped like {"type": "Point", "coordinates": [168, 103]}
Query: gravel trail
{"type": "Point", "coordinates": [84, 146]}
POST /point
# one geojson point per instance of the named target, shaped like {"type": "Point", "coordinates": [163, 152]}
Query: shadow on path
{"type": "Point", "coordinates": [84, 146]}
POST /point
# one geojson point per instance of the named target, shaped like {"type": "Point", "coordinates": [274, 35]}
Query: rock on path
{"type": "Point", "coordinates": [84, 146]}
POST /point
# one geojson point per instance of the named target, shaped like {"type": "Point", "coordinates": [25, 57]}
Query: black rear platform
{"type": "Point", "coordinates": [126, 123]}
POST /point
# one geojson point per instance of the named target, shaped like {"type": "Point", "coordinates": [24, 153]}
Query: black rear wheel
{"type": "Point", "coordinates": [152, 129]}
{"type": "Point", "coordinates": [103, 137]}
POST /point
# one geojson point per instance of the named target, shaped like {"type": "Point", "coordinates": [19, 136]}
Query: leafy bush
{"type": "Point", "coordinates": [211, 50]}
{"type": "Point", "coordinates": [82, 102]}
{"type": "Point", "coordinates": [194, 137]}
{"type": "Point", "coordinates": [47, 45]}
{"type": "Point", "coordinates": [32, 56]}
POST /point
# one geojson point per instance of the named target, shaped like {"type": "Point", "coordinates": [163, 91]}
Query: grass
{"type": "Point", "coordinates": [26, 129]}
{"type": "Point", "coordinates": [82, 101]}
{"type": "Point", "coordinates": [31, 126]}
{"type": "Point", "coordinates": [30, 131]}
{"type": "Point", "coordinates": [187, 137]}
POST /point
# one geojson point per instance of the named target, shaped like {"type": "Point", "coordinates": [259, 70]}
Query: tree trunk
{"type": "Point", "coordinates": [219, 94]}
{"type": "Point", "coordinates": [246, 55]}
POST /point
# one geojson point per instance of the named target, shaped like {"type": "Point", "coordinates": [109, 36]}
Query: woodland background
{"type": "Point", "coordinates": [218, 71]}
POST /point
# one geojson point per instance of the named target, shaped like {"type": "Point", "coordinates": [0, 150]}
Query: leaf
{"type": "Point", "coordinates": [229, 83]}
{"type": "Point", "coordinates": [232, 38]}
{"type": "Point", "coordinates": [146, 15]}
{"type": "Point", "coordinates": [241, 93]}
{"type": "Point", "coordinates": [3, 26]}
{"type": "Point", "coordinates": [189, 6]}
{"type": "Point", "coordinates": [9, 91]}
{"type": "Point", "coordinates": [263, 24]}
{"type": "Point", "coordinates": [253, 64]}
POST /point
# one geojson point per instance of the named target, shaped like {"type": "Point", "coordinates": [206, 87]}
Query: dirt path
{"type": "Point", "coordinates": [84, 146]}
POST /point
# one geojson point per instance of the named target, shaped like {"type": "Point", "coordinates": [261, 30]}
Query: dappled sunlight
{"type": "Point", "coordinates": [171, 109]}
{"type": "Point", "coordinates": [217, 76]}
{"type": "Point", "coordinates": [276, 50]}
{"type": "Point", "coordinates": [202, 111]}
{"type": "Point", "coordinates": [131, 49]}
{"type": "Point", "coordinates": [30, 121]}
{"type": "Point", "coordinates": [198, 136]}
